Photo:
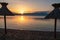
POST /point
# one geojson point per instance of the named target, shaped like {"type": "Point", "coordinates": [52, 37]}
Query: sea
{"type": "Point", "coordinates": [35, 23]}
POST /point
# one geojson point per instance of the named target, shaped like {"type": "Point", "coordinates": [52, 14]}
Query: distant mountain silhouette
{"type": "Point", "coordinates": [43, 13]}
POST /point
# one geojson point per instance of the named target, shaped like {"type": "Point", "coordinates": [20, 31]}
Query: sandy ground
{"type": "Point", "coordinates": [27, 35]}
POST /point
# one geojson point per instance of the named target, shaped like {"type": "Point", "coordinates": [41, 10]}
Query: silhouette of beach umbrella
{"type": "Point", "coordinates": [55, 14]}
{"type": "Point", "coordinates": [4, 11]}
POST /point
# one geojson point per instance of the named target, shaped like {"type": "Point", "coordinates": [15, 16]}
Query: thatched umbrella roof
{"type": "Point", "coordinates": [55, 13]}
{"type": "Point", "coordinates": [5, 10]}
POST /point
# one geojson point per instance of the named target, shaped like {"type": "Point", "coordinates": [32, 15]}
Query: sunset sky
{"type": "Point", "coordinates": [20, 6]}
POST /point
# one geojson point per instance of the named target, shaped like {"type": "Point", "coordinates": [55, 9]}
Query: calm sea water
{"type": "Point", "coordinates": [29, 23]}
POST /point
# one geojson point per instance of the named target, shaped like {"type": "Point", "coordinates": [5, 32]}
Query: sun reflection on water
{"type": "Point", "coordinates": [22, 18]}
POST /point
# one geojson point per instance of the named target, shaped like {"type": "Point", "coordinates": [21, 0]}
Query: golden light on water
{"type": "Point", "coordinates": [21, 18]}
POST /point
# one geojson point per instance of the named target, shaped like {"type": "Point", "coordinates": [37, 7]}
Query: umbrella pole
{"type": "Point", "coordinates": [55, 28]}
{"type": "Point", "coordinates": [5, 24]}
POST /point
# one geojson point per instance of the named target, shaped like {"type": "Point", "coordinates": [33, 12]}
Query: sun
{"type": "Point", "coordinates": [21, 11]}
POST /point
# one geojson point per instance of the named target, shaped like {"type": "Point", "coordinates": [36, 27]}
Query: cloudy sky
{"type": "Point", "coordinates": [30, 5]}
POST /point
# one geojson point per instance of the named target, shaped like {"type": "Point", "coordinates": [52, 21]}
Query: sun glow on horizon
{"type": "Point", "coordinates": [21, 9]}
{"type": "Point", "coordinates": [22, 12]}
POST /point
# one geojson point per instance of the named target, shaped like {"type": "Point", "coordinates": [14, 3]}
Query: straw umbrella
{"type": "Point", "coordinates": [55, 14]}
{"type": "Point", "coordinates": [5, 12]}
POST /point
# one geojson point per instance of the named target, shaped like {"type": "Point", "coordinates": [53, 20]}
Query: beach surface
{"type": "Point", "coordinates": [13, 34]}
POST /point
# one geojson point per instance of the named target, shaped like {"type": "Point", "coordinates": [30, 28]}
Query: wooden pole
{"type": "Point", "coordinates": [55, 28]}
{"type": "Point", "coordinates": [5, 24]}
